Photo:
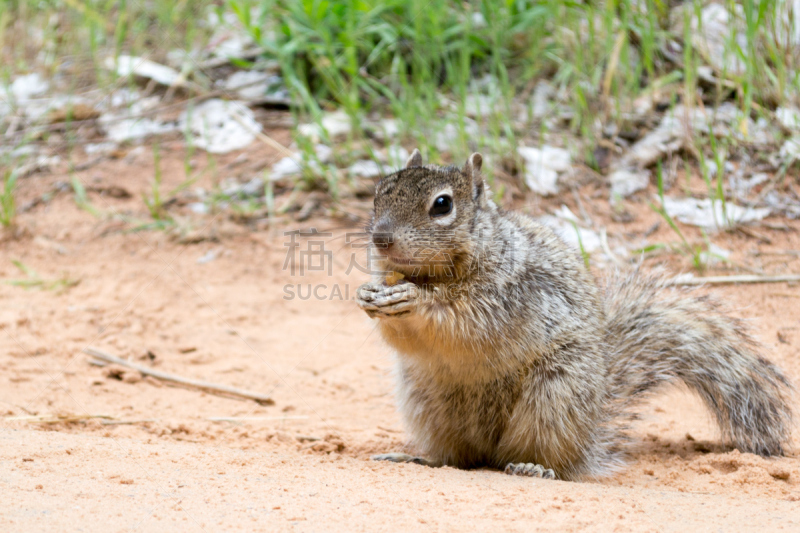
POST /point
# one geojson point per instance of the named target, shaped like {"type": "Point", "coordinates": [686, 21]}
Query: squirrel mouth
{"type": "Point", "coordinates": [400, 260]}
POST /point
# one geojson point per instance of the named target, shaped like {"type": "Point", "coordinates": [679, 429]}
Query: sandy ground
{"type": "Point", "coordinates": [215, 310]}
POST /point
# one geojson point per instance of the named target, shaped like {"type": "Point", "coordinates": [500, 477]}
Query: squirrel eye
{"type": "Point", "coordinates": [441, 206]}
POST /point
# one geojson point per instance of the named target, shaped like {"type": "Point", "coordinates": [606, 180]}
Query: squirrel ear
{"type": "Point", "coordinates": [415, 160]}
{"type": "Point", "coordinates": [472, 168]}
{"type": "Point", "coordinates": [473, 164]}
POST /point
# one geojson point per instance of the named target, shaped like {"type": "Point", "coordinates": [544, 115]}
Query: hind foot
{"type": "Point", "coordinates": [405, 458]}
{"type": "Point", "coordinates": [530, 470]}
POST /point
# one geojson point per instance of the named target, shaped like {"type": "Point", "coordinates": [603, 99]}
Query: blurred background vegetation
{"type": "Point", "coordinates": [449, 77]}
{"type": "Point", "coordinates": [420, 59]}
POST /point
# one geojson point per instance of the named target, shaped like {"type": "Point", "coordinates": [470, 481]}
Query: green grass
{"type": "Point", "coordinates": [697, 253]}
{"type": "Point", "coordinates": [401, 56]}
{"type": "Point", "coordinates": [156, 200]}
{"type": "Point", "coordinates": [83, 33]}
{"type": "Point", "coordinates": [8, 204]}
{"type": "Point", "coordinates": [419, 60]}
{"type": "Point", "coordinates": [585, 254]}
{"type": "Point", "coordinates": [32, 280]}
{"type": "Point", "coordinates": [81, 198]}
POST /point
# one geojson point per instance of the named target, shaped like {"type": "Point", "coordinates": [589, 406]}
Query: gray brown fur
{"type": "Point", "coordinates": [510, 353]}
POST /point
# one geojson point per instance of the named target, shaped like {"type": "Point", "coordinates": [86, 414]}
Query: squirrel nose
{"type": "Point", "coordinates": [382, 236]}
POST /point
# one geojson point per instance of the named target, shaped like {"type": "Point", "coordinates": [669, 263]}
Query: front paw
{"type": "Point", "coordinates": [379, 300]}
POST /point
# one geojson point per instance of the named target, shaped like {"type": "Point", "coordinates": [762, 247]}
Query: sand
{"type": "Point", "coordinates": [216, 310]}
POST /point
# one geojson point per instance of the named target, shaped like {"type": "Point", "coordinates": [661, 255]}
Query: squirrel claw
{"type": "Point", "coordinates": [530, 470]}
{"type": "Point", "coordinates": [383, 301]}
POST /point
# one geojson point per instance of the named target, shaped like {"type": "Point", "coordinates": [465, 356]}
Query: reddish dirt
{"type": "Point", "coordinates": [303, 462]}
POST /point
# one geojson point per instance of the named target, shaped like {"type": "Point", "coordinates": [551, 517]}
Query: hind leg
{"type": "Point", "coordinates": [530, 470]}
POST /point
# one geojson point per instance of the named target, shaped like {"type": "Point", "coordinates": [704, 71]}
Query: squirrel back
{"type": "Point", "coordinates": [508, 353]}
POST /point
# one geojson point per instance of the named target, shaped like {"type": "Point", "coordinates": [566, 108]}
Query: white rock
{"type": "Point", "coordinates": [783, 203]}
{"type": "Point", "coordinates": [365, 169]}
{"type": "Point", "coordinates": [478, 105]}
{"type": "Point", "coordinates": [742, 186]}
{"type": "Point", "coordinates": [208, 256]}
{"type": "Point", "coordinates": [542, 166]}
{"type": "Point", "coordinates": [763, 135]}
{"type": "Point", "coordinates": [248, 84]}
{"type": "Point", "coordinates": [589, 239]}
{"type": "Point", "coordinates": [710, 215]}
{"type": "Point", "coordinates": [713, 41]}
{"type": "Point", "coordinates": [257, 86]}
{"type": "Point", "coordinates": [573, 234]}
{"type": "Point", "coordinates": [199, 208]}
{"type": "Point", "coordinates": [478, 20]}
{"type": "Point", "coordinates": [541, 180]}
{"type": "Point", "coordinates": [100, 148]}
{"type": "Point", "coordinates": [787, 23]}
{"type": "Point", "coordinates": [234, 45]}
{"type": "Point", "coordinates": [626, 182]}
{"type": "Point", "coordinates": [711, 167]}
{"type": "Point", "coordinates": [230, 39]}
{"type": "Point", "coordinates": [127, 97]}
{"type": "Point", "coordinates": [133, 129]}
{"type": "Point", "coordinates": [35, 109]}
{"type": "Point", "coordinates": [254, 187]}
{"type": "Point", "coordinates": [445, 138]}
{"type": "Point", "coordinates": [125, 124]}
{"type": "Point", "coordinates": [220, 126]}
{"type": "Point", "coordinates": [386, 129]}
{"type": "Point", "coordinates": [178, 57]}
{"type": "Point", "coordinates": [396, 156]}
{"type": "Point", "coordinates": [789, 117]}
{"type": "Point", "coordinates": [288, 166]}
{"type": "Point", "coordinates": [670, 136]}
{"type": "Point", "coordinates": [323, 152]}
{"type": "Point", "coordinates": [790, 151]}
{"type": "Point", "coordinates": [566, 213]}
{"type": "Point", "coordinates": [556, 158]}
{"type": "Point", "coordinates": [715, 254]}
{"type": "Point", "coordinates": [139, 66]}
{"type": "Point", "coordinates": [336, 124]}
{"type": "Point", "coordinates": [649, 149]}
{"type": "Point", "coordinates": [27, 86]}
{"type": "Point", "coordinates": [542, 94]}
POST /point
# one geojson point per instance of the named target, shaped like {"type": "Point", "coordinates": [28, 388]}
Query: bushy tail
{"type": "Point", "coordinates": [658, 334]}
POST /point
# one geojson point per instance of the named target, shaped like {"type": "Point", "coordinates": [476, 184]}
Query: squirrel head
{"type": "Point", "coordinates": [425, 217]}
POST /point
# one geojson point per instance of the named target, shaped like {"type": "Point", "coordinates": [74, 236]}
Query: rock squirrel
{"type": "Point", "coordinates": [510, 356]}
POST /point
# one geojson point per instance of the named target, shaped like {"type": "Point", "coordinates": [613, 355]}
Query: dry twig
{"type": "Point", "coordinates": [254, 418]}
{"type": "Point", "coordinates": [720, 280]}
{"type": "Point", "coordinates": [213, 388]}
{"type": "Point", "coordinates": [54, 419]}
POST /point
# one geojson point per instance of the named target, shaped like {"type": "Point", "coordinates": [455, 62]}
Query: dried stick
{"type": "Point", "coordinates": [55, 419]}
{"type": "Point", "coordinates": [253, 418]}
{"type": "Point", "coordinates": [213, 388]}
{"type": "Point", "coordinates": [720, 280]}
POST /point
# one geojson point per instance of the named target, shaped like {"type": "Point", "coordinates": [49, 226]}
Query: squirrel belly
{"type": "Point", "coordinates": [508, 353]}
